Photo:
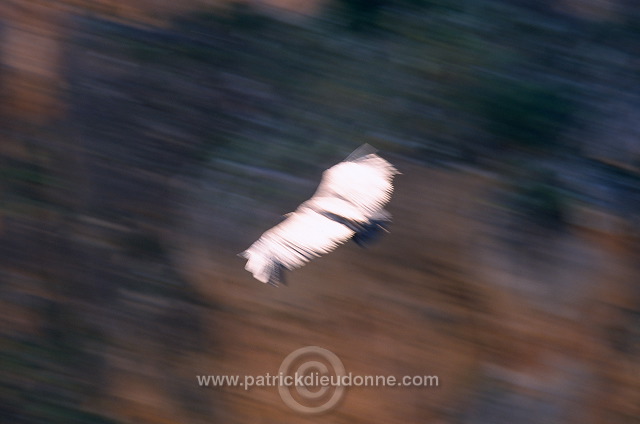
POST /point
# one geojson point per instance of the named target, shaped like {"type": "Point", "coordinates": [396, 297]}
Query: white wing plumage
{"type": "Point", "coordinates": [292, 243]}
{"type": "Point", "coordinates": [364, 182]}
{"type": "Point", "coordinates": [347, 204]}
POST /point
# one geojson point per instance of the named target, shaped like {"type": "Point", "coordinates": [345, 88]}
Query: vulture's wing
{"type": "Point", "coordinates": [348, 203]}
{"type": "Point", "coordinates": [364, 182]}
{"type": "Point", "coordinates": [292, 243]}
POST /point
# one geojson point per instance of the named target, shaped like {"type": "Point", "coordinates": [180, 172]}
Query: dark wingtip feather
{"type": "Point", "coordinates": [360, 152]}
{"type": "Point", "coordinates": [276, 277]}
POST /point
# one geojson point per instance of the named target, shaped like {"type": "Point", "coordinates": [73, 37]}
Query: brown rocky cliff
{"type": "Point", "coordinates": [34, 35]}
{"type": "Point", "coordinates": [120, 228]}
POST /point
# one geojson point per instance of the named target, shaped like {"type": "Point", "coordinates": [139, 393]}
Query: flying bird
{"type": "Point", "coordinates": [347, 205]}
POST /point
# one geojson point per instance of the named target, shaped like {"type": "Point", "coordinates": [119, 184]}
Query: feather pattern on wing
{"type": "Point", "coordinates": [365, 183]}
{"type": "Point", "coordinates": [348, 202]}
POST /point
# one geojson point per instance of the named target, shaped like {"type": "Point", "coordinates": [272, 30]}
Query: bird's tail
{"type": "Point", "coordinates": [263, 268]}
{"type": "Point", "coordinates": [370, 232]}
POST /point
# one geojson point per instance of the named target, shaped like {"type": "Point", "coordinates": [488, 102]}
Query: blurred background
{"type": "Point", "coordinates": [145, 143]}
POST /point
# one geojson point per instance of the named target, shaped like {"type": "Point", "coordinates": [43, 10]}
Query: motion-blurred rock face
{"type": "Point", "coordinates": [33, 33]}
{"type": "Point", "coordinates": [119, 281]}
{"type": "Point", "coordinates": [515, 324]}
{"type": "Point", "coordinates": [32, 70]}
